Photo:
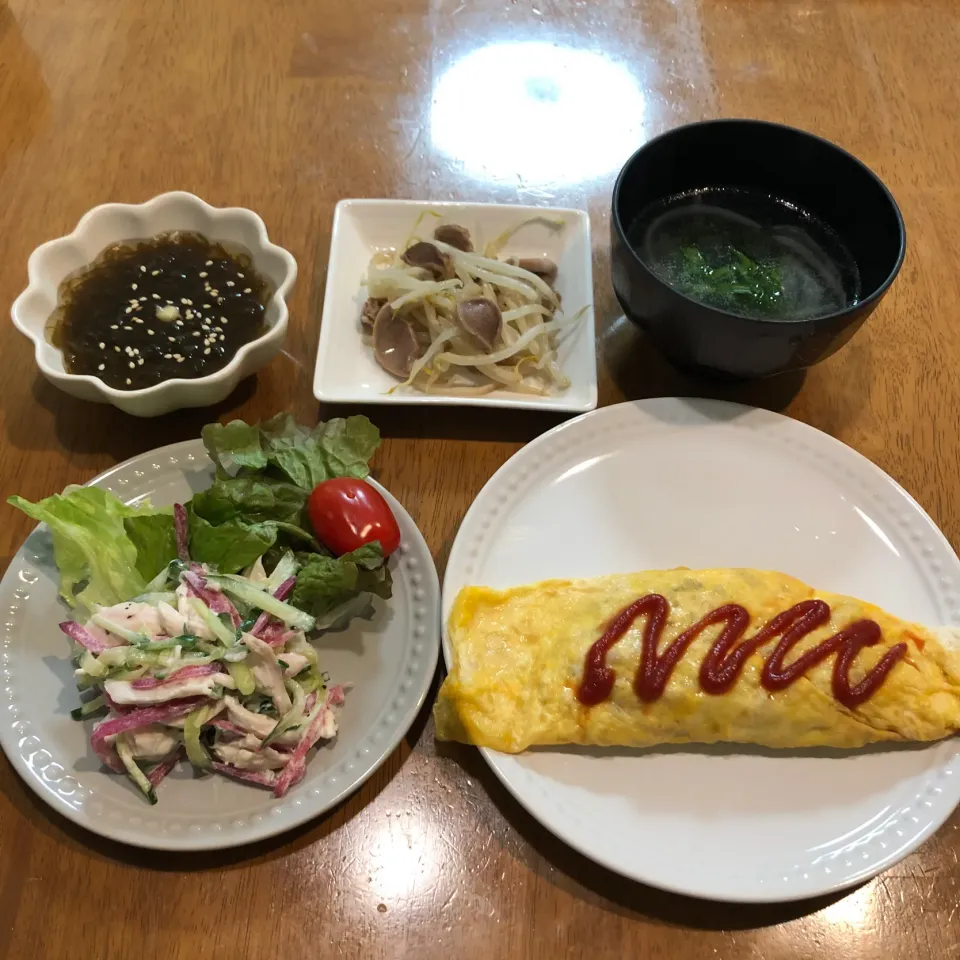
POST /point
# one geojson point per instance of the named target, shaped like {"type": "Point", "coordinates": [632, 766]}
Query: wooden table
{"type": "Point", "coordinates": [288, 107]}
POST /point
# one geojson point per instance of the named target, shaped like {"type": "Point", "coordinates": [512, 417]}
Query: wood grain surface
{"type": "Point", "coordinates": [287, 108]}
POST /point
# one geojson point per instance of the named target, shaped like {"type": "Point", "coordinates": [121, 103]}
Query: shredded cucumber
{"type": "Point", "coordinates": [134, 771]}
{"type": "Point", "coordinates": [293, 716]}
{"type": "Point", "coordinates": [88, 707]}
{"type": "Point", "coordinates": [217, 627]}
{"type": "Point", "coordinates": [186, 640]}
{"type": "Point", "coordinates": [91, 666]}
{"type": "Point", "coordinates": [154, 598]}
{"type": "Point", "coordinates": [242, 677]}
{"type": "Point", "coordinates": [286, 567]}
{"type": "Point", "coordinates": [196, 753]}
{"type": "Point", "coordinates": [252, 594]}
{"type": "Point", "coordinates": [312, 681]}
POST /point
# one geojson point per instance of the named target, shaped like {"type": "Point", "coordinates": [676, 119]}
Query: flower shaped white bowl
{"type": "Point", "coordinates": [111, 223]}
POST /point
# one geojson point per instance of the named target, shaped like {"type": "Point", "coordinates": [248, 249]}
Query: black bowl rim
{"type": "Point", "coordinates": [854, 309]}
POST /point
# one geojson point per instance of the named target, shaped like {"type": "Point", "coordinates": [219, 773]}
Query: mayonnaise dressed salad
{"type": "Point", "coordinates": [194, 627]}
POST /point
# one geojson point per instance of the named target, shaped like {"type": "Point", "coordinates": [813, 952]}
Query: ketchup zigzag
{"type": "Point", "coordinates": [725, 659]}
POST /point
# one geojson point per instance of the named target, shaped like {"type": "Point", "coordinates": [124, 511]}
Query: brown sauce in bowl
{"type": "Point", "coordinates": [177, 306]}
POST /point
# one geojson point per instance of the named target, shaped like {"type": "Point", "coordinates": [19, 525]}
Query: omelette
{"type": "Point", "coordinates": [691, 656]}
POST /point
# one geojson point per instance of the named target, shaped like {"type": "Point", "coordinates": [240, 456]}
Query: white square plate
{"type": "Point", "coordinates": [346, 370]}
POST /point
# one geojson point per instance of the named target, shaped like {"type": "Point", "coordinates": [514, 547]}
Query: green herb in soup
{"type": "Point", "coordinates": [748, 253]}
{"type": "Point", "coordinates": [732, 278]}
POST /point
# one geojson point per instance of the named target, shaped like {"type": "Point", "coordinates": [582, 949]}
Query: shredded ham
{"type": "Point", "coordinates": [182, 531]}
{"type": "Point", "coordinates": [281, 593]}
{"type": "Point", "coordinates": [164, 766]}
{"type": "Point", "coordinates": [215, 600]}
{"type": "Point", "coordinates": [320, 726]}
{"type": "Point", "coordinates": [84, 637]}
{"type": "Point", "coordinates": [133, 720]}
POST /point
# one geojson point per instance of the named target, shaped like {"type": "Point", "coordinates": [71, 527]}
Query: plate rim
{"type": "Point", "coordinates": [496, 761]}
{"type": "Point", "coordinates": [301, 809]}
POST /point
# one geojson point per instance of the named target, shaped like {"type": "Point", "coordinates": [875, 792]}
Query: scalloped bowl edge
{"type": "Point", "coordinates": [110, 223]}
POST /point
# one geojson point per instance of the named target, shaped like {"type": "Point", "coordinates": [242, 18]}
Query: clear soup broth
{"type": "Point", "coordinates": [746, 252]}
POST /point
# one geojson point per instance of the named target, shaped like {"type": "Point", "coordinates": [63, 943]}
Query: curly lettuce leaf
{"type": "Point", "coordinates": [280, 448]}
{"type": "Point", "coordinates": [255, 499]}
{"type": "Point", "coordinates": [230, 546]}
{"type": "Point", "coordinates": [96, 558]}
{"type": "Point", "coordinates": [155, 540]}
{"type": "Point", "coordinates": [325, 584]}
{"type": "Point", "coordinates": [232, 445]}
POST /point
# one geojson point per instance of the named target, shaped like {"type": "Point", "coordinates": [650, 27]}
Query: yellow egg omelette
{"type": "Point", "coordinates": [691, 656]}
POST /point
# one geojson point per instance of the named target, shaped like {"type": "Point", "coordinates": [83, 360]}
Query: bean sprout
{"type": "Point", "coordinates": [474, 325]}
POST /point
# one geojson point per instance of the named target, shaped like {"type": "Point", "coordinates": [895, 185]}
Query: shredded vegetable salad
{"type": "Point", "coordinates": [212, 668]}
{"type": "Point", "coordinates": [191, 639]}
{"type": "Point", "coordinates": [443, 318]}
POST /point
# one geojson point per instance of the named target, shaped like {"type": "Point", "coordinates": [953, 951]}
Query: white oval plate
{"type": "Point", "coordinates": [698, 483]}
{"type": "Point", "coordinates": [391, 659]}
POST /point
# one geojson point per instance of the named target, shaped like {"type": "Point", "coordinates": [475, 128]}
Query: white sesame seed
{"type": "Point", "coordinates": [140, 361]}
{"type": "Point", "coordinates": [218, 329]}
{"type": "Point", "coordinates": [247, 290]}
{"type": "Point", "coordinates": [196, 333]}
{"type": "Point", "coordinates": [117, 349]}
{"type": "Point", "coordinates": [133, 286]}
{"type": "Point", "coordinates": [172, 339]}
{"type": "Point", "coordinates": [149, 332]}
{"type": "Point", "coordinates": [131, 365]}
{"type": "Point", "coordinates": [240, 275]}
{"type": "Point", "coordinates": [154, 273]}
{"type": "Point", "coordinates": [143, 269]}
{"type": "Point", "coordinates": [214, 293]}
{"type": "Point", "coordinates": [114, 326]}
{"type": "Point", "coordinates": [128, 310]}
{"type": "Point", "coordinates": [103, 346]}
{"type": "Point", "coordinates": [136, 350]}
{"type": "Point", "coordinates": [156, 296]}
{"type": "Point", "coordinates": [209, 263]}
{"type": "Point", "coordinates": [102, 366]}
{"type": "Point", "coordinates": [129, 381]}
{"type": "Point", "coordinates": [189, 314]}
{"type": "Point", "coordinates": [138, 319]}
{"type": "Point", "coordinates": [223, 337]}
{"type": "Point", "coordinates": [179, 323]}
{"type": "Point", "coordinates": [206, 306]}
{"type": "Point", "coordinates": [168, 356]}
{"type": "Point", "coordinates": [230, 283]}
{"type": "Point", "coordinates": [179, 359]}
{"type": "Point", "coordinates": [203, 273]}
{"type": "Point", "coordinates": [128, 328]}
{"type": "Point", "coordinates": [144, 299]}
{"type": "Point", "coordinates": [204, 326]}
{"type": "Point", "coordinates": [205, 352]}
{"type": "Point", "coordinates": [186, 302]}
{"type": "Point", "coordinates": [224, 320]}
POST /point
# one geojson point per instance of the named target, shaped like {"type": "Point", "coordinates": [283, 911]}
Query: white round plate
{"type": "Point", "coordinates": [390, 659]}
{"type": "Point", "coordinates": [697, 483]}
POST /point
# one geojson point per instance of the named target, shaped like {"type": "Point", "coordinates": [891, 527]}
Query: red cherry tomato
{"type": "Point", "coordinates": [348, 513]}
